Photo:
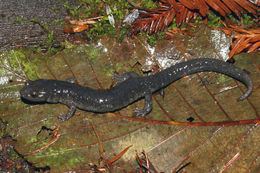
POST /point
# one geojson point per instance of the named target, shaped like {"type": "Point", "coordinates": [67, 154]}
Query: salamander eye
{"type": "Point", "coordinates": [34, 94]}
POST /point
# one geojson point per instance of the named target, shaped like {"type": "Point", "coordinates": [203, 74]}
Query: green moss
{"type": "Point", "coordinates": [30, 69]}
{"type": "Point", "coordinates": [71, 158]}
{"type": "Point", "coordinates": [152, 39]}
{"type": "Point", "coordinates": [31, 140]}
{"type": "Point", "coordinates": [93, 53]}
{"type": "Point", "coordinates": [100, 29]}
{"type": "Point", "coordinates": [87, 8]}
{"type": "Point", "coordinates": [58, 22]}
{"type": "Point", "coordinates": [73, 10]}
{"type": "Point", "coordinates": [50, 34]}
{"type": "Point", "coordinates": [18, 62]}
{"type": "Point", "coordinates": [14, 155]}
{"type": "Point", "coordinates": [19, 20]}
{"type": "Point", "coordinates": [149, 4]}
{"type": "Point", "coordinates": [109, 71]}
{"type": "Point", "coordinates": [214, 20]}
{"type": "Point", "coordinates": [222, 78]}
{"type": "Point", "coordinates": [247, 19]}
{"type": "Point", "coordinates": [47, 123]}
{"type": "Point", "coordinates": [118, 67]}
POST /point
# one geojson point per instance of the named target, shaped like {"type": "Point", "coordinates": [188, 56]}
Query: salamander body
{"type": "Point", "coordinates": [130, 89]}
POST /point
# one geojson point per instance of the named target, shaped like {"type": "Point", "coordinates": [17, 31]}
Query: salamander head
{"type": "Point", "coordinates": [35, 91]}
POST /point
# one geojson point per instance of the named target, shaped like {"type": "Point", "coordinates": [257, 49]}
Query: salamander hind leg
{"type": "Point", "coordinates": [148, 106]}
{"type": "Point", "coordinates": [121, 78]}
{"type": "Point", "coordinates": [69, 114]}
{"type": "Point", "coordinates": [161, 91]}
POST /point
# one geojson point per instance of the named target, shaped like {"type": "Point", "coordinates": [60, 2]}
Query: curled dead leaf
{"type": "Point", "coordinates": [76, 28]}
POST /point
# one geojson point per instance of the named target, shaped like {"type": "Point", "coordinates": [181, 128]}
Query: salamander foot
{"type": "Point", "coordinates": [147, 107]}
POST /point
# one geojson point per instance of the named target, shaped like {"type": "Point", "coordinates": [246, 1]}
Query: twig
{"type": "Point", "coordinates": [56, 137]}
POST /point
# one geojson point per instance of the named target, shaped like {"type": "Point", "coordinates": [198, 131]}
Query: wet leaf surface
{"type": "Point", "coordinates": [74, 144]}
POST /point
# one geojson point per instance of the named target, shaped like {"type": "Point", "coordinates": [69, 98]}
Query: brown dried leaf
{"type": "Point", "coordinates": [188, 4]}
{"type": "Point", "coordinates": [254, 47]}
{"type": "Point", "coordinates": [247, 5]}
{"type": "Point", "coordinates": [254, 38]}
{"type": "Point", "coordinates": [155, 21]}
{"type": "Point", "coordinates": [245, 39]}
{"type": "Point", "coordinates": [234, 7]}
{"type": "Point", "coordinates": [202, 6]}
{"type": "Point", "coordinates": [235, 46]}
{"type": "Point", "coordinates": [222, 6]}
{"type": "Point", "coordinates": [75, 28]}
{"type": "Point", "coordinates": [118, 156]}
{"type": "Point", "coordinates": [213, 5]}
{"type": "Point", "coordinates": [183, 10]}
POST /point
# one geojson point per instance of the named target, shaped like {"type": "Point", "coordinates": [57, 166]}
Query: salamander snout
{"type": "Point", "coordinates": [33, 91]}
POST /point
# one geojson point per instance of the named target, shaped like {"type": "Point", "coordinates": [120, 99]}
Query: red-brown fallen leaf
{"type": "Point", "coordinates": [202, 6]}
{"type": "Point", "coordinates": [239, 46]}
{"type": "Point", "coordinates": [79, 28]}
{"type": "Point", "coordinates": [187, 3]}
{"type": "Point", "coordinates": [247, 5]}
{"type": "Point", "coordinates": [222, 6]}
{"type": "Point", "coordinates": [254, 47]}
{"type": "Point", "coordinates": [213, 5]}
{"type": "Point", "coordinates": [235, 46]}
{"type": "Point", "coordinates": [181, 14]}
{"type": "Point", "coordinates": [248, 40]}
{"type": "Point", "coordinates": [76, 28]}
{"type": "Point", "coordinates": [145, 163]}
{"type": "Point", "coordinates": [234, 7]}
{"type": "Point", "coordinates": [154, 20]}
{"type": "Point", "coordinates": [109, 162]}
{"type": "Point", "coordinates": [67, 30]}
{"type": "Point", "coordinates": [251, 31]}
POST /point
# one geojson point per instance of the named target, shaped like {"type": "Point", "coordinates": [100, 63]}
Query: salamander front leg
{"type": "Point", "coordinates": [70, 113]}
{"type": "Point", "coordinates": [148, 106]}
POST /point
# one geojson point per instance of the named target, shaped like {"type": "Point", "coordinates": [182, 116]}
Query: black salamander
{"type": "Point", "coordinates": [131, 88]}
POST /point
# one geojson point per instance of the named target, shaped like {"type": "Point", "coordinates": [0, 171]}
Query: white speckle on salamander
{"type": "Point", "coordinates": [65, 91]}
{"type": "Point", "coordinates": [102, 100]}
{"type": "Point", "coordinates": [41, 94]}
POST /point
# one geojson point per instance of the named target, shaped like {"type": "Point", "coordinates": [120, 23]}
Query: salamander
{"type": "Point", "coordinates": [131, 87]}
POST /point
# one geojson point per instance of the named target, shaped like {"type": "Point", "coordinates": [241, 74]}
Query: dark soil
{"type": "Point", "coordinates": [17, 29]}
